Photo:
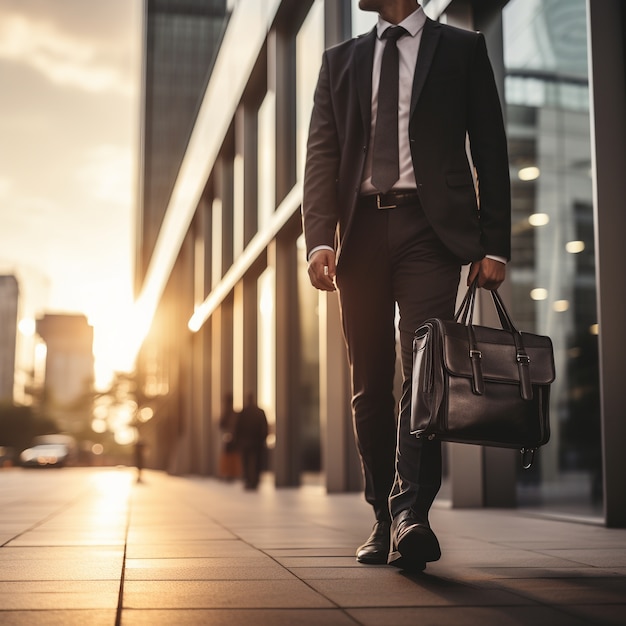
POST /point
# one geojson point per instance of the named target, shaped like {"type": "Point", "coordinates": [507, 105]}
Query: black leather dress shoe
{"type": "Point", "coordinates": [414, 543]}
{"type": "Point", "coordinates": [375, 550]}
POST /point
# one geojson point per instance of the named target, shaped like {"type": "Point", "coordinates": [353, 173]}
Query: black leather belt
{"type": "Point", "coordinates": [390, 200]}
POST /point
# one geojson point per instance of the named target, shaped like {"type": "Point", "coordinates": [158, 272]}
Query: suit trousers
{"type": "Point", "coordinates": [393, 267]}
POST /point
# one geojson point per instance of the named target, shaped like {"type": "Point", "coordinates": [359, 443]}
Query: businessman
{"type": "Point", "coordinates": [391, 211]}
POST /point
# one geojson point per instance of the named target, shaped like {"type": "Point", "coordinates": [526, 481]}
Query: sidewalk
{"type": "Point", "coordinates": [90, 546]}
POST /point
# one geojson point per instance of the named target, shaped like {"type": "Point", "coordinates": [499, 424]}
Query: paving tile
{"type": "Point", "coordinates": [236, 617]}
{"type": "Point", "coordinates": [6, 537]}
{"type": "Point", "coordinates": [50, 586]}
{"type": "Point", "coordinates": [228, 548]}
{"type": "Point", "coordinates": [319, 561]}
{"type": "Point", "coordinates": [58, 595]}
{"type": "Point", "coordinates": [66, 537]}
{"type": "Point", "coordinates": [138, 536]}
{"type": "Point", "coordinates": [254, 568]}
{"type": "Point", "coordinates": [478, 574]}
{"type": "Point", "coordinates": [61, 569]}
{"type": "Point", "coordinates": [598, 557]}
{"type": "Point", "coordinates": [494, 556]}
{"type": "Point", "coordinates": [288, 594]}
{"type": "Point", "coordinates": [466, 616]}
{"type": "Point", "coordinates": [58, 618]}
{"type": "Point", "coordinates": [565, 591]}
{"type": "Point", "coordinates": [608, 614]}
{"type": "Point", "coordinates": [375, 572]}
{"type": "Point", "coordinates": [403, 590]}
{"type": "Point", "coordinates": [61, 553]}
{"type": "Point", "coordinates": [281, 553]}
{"type": "Point", "coordinates": [276, 541]}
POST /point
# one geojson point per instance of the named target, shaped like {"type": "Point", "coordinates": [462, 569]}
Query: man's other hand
{"type": "Point", "coordinates": [322, 270]}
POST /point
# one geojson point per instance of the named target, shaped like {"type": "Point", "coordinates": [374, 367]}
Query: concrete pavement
{"type": "Point", "coordinates": [90, 546]}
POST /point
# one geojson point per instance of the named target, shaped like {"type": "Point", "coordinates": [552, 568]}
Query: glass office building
{"type": "Point", "coordinates": [222, 279]}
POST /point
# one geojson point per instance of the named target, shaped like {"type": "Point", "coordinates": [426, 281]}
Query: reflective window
{"type": "Point", "coordinates": [267, 159]}
{"type": "Point", "coordinates": [552, 272]}
{"type": "Point", "coordinates": [309, 49]}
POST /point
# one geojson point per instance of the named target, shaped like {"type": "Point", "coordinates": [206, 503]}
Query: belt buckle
{"type": "Point", "coordinates": [383, 206]}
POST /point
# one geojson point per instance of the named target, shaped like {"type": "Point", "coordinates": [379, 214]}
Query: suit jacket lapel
{"type": "Point", "coordinates": [430, 37]}
{"type": "Point", "coordinates": [363, 61]}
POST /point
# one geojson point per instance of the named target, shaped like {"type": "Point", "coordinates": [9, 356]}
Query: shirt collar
{"type": "Point", "coordinates": [412, 23]}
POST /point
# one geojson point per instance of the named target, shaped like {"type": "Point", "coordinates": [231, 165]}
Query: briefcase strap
{"type": "Point", "coordinates": [465, 315]}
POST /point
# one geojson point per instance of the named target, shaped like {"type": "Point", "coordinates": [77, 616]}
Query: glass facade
{"type": "Point", "coordinates": [309, 50]}
{"type": "Point", "coordinates": [552, 272]}
{"type": "Point", "coordinates": [181, 38]}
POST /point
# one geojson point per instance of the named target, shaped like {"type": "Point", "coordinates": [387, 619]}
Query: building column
{"type": "Point", "coordinates": [606, 35]}
{"type": "Point", "coordinates": [281, 257]}
{"type": "Point", "coordinates": [339, 454]}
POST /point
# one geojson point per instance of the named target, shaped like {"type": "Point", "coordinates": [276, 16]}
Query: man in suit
{"type": "Point", "coordinates": [390, 214]}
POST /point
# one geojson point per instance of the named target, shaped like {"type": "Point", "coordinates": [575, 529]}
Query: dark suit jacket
{"type": "Point", "coordinates": [454, 93]}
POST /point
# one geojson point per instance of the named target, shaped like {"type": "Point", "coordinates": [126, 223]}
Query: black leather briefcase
{"type": "Point", "coordinates": [481, 385]}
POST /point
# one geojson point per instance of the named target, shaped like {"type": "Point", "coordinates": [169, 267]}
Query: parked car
{"type": "Point", "coordinates": [45, 455]}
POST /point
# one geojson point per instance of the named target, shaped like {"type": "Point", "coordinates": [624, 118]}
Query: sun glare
{"type": "Point", "coordinates": [118, 333]}
{"type": "Point", "coordinates": [112, 488]}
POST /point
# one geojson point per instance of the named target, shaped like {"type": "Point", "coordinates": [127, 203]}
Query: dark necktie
{"type": "Point", "coordinates": [385, 167]}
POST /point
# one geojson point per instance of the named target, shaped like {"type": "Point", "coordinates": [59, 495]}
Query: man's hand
{"type": "Point", "coordinates": [491, 273]}
{"type": "Point", "coordinates": [322, 270]}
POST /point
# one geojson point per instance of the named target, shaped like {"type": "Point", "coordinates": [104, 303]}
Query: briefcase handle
{"type": "Point", "coordinates": [465, 316]}
{"type": "Point", "coordinates": [465, 312]}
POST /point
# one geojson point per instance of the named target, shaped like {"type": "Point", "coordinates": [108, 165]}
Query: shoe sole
{"type": "Point", "coordinates": [372, 560]}
{"type": "Point", "coordinates": [397, 560]}
{"type": "Point", "coordinates": [419, 545]}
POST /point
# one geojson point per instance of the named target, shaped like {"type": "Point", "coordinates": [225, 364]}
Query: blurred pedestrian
{"type": "Point", "coordinates": [250, 436]}
{"type": "Point", "coordinates": [230, 462]}
{"type": "Point", "coordinates": [140, 448]}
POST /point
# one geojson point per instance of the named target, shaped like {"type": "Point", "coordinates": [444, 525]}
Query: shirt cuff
{"type": "Point", "coordinates": [496, 258]}
{"type": "Point", "coordinates": [319, 248]}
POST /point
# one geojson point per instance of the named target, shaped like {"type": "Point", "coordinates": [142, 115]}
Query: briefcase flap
{"type": "Point", "coordinates": [497, 353]}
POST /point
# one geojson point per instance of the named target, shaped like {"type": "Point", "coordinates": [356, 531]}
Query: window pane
{"type": "Point", "coordinates": [553, 267]}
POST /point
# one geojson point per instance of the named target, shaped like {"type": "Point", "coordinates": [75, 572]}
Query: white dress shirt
{"type": "Point", "coordinates": [408, 46]}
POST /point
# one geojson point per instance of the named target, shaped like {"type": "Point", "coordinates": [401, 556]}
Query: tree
{"type": "Point", "coordinates": [19, 425]}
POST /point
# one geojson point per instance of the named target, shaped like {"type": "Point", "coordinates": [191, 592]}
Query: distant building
{"type": "Point", "coordinates": [69, 371]}
{"type": "Point", "coordinates": [181, 41]}
{"type": "Point", "coordinates": [9, 293]}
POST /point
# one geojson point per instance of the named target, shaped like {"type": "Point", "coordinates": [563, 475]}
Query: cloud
{"type": "Point", "coordinates": [64, 58]}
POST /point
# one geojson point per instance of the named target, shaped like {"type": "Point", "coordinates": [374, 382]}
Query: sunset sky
{"type": "Point", "coordinates": [69, 76]}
